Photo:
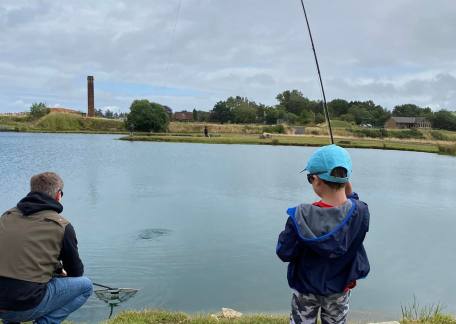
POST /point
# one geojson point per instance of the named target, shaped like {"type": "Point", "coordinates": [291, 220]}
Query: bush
{"type": "Point", "coordinates": [374, 133]}
{"type": "Point", "coordinates": [409, 133]}
{"type": "Point", "coordinates": [38, 110]}
{"type": "Point", "coordinates": [439, 136]}
{"type": "Point", "coordinates": [279, 129]}
{"type": "Point", "coordinates": [147, 117]}
{"type": "Point", "coordinates": [448, 149]}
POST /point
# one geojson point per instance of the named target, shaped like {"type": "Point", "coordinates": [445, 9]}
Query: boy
{"type": "Point", "coordinates": [323, 241]}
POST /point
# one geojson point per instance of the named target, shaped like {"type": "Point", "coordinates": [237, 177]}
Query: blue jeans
{"type": "Point", "coordinates": [63, 296]}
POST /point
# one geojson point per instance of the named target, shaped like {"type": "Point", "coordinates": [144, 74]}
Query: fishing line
{"type": "Point", "coordinates": [173, 32]}
{"type": "Point", "coordinates": [325, 106]}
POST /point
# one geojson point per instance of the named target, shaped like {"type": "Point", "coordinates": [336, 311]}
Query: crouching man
{"type": "Point", "coordinates": [40, 269]}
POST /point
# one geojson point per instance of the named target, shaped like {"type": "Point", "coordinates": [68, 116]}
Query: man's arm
{"type": "Point", "coordinates": [69, 254]}
{"type": "Point", "coordinates": [288, 244]}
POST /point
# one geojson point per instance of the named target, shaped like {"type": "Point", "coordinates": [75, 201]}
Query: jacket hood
{"type": "Point", "coordinates": [324, 230]}
{"type": "Point", "coordinates": [36, 201]}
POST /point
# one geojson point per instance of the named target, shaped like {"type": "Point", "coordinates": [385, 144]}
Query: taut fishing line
{"type": "Point", "coordinates": [325, 106]}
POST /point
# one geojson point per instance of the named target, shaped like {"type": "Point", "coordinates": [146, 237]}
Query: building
{"type": "Point", "coordinates": [90, 97]}
{"type": "Point", "coordinates": [183, 116]}
{"type": "Point", "coordinates": [408, 122]}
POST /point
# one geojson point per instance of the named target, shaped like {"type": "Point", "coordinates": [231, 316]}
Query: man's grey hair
{"type": "Point", "coordinates": [48, 183]}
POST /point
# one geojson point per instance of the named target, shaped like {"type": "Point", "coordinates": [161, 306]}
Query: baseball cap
{"type": "Point", "coordinates": [327, 158]}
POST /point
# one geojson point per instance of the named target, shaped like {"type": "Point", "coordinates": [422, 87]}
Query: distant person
{"type": "Point", "coordinates": [36, 244]}
{"type": "Point", "coordinates": [323, 241]}
{"type": "Point", "coordinates": [206, 131]}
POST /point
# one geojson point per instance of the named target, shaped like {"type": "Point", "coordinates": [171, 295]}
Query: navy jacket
{"type": "Point", "coordinates": [324, 246]}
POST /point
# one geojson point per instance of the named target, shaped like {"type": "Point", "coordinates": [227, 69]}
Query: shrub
{"type": "Point", "coordinates": [374, 133]}
{"type": "Point", "coordinates": [38, 110]}
{"type": "Point", "coordinates": [279, 129]}
{"type": "Point", "coordinates": [409, 133]}
{"type": "Point", "coordinates": [439, 136]}
{"type": "Point", "coordinates": [447, 149]}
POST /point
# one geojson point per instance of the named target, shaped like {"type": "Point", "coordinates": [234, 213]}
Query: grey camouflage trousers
{"type": "Point", "coordinates": [333, 308]}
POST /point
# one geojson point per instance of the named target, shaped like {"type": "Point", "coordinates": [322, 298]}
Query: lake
{"type": "Point", "coordinates": [195, 226]}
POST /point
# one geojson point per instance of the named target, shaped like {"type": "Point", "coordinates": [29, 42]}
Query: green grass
{"type": "Point", "coordinates": [413, 314]}
{"type": "Point", "coordinates": [157, 316]}
{"type": "Point", "coordinates": [427, 314]}
{"type": "Point", "coordinates": [447, 149]}
{"type": "Point", "coordinates": [72, 122]}
{"type": "Point", "coordinates": [61, 122]}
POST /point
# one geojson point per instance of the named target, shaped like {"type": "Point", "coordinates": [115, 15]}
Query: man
{"type": "Point", "coordinates": [40, 269]}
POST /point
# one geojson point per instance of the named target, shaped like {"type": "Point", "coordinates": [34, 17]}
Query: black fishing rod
{"type": "Point", "coordinates": [102, 286]}
{"type": "Point", "coordinates": [325, 106]}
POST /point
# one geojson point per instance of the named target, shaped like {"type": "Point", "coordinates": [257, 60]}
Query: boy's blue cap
{"type": "Point", "coordinates": [325, 159]}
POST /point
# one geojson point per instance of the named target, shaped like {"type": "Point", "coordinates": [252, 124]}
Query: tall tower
{"type": "Point", "coordinates": [90, 97]}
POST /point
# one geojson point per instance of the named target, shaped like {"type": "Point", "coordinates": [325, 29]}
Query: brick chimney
{"type": "Point", "coordinates": [90, 97]}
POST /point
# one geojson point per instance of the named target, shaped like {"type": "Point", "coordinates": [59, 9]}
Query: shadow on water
{"type": "Point", "coordinates": [153, 233]}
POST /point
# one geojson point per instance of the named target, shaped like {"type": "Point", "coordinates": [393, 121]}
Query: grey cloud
{"type": "Point", "coordinates": [437, 92]}
{"type": "Point", "coordinates": [220, 48]}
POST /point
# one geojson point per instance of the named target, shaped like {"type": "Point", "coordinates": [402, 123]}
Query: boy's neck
{"type": "Point", "coordinates": [334, 198]}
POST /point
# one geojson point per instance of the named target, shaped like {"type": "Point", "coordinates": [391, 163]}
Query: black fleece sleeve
{"type": "Point", "coordinates": [69, 254]}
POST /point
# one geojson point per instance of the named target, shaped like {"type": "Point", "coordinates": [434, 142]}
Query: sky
{"type": "Point", "coordinates": [190, 54]}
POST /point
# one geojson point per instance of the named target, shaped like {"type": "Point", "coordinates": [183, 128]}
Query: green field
{"type": "Point", "coordinates": [61, 122]}
{"type": "Point", "coordinates": [418, 146]}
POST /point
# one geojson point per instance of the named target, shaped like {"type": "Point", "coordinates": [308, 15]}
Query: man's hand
{"type": "Point", "coordinates": [348, 189]}
{"type": "Point", "coordinates": [63, 273]}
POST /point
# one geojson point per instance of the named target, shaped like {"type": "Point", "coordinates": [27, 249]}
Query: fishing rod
{"type": "Point", "coordinates": [325, 106]}
{"type": "Point", "coordinates": [102, 286]}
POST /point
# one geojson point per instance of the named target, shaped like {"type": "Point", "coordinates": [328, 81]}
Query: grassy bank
{"type": "Point", "coordinates": [156, 316]}
{"type": "Point", "coordinates": [61, 122]}
{"type": "Point", "coordinates": [418, 146]}
{"type": "Point", "coordinates": [177, 317]}
{"type": "Point", "coordinates": [347, 135]}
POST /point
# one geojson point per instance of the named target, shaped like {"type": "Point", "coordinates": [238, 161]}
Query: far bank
{"type": "Point", "coordinates": [303, 140]}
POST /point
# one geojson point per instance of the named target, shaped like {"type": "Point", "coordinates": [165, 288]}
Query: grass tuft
{"type": "Point", "coordinates": [447, 149]}
{"type": "Point", "coordinates": [427, 314]}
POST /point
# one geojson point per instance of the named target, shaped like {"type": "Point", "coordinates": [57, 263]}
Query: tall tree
{"type": "Point", "coordinates": [338, 107]}
{"type": "Point", "coordinates": [221, 112]}
{"type": "Point", "coordinates": [444, 119]}
{"type": "Point", "coordinates": [147, 116]}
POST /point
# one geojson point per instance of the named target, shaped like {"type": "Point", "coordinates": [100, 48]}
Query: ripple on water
{"type": "Point", "coordinates": [153, 233]}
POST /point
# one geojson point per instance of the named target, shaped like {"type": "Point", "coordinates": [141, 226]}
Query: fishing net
{"type": "Point", "coordinates": [114, 296]}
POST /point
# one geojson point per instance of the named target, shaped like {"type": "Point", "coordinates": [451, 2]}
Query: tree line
{"type": "Point", "coordinates": [293, 108]}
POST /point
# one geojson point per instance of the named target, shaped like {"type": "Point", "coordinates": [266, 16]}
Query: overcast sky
{"type": "Point", "coordinates": [192, 53]}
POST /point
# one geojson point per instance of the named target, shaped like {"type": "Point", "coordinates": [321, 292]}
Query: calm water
{"type": "Point", "coordinates": [195, 226]}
